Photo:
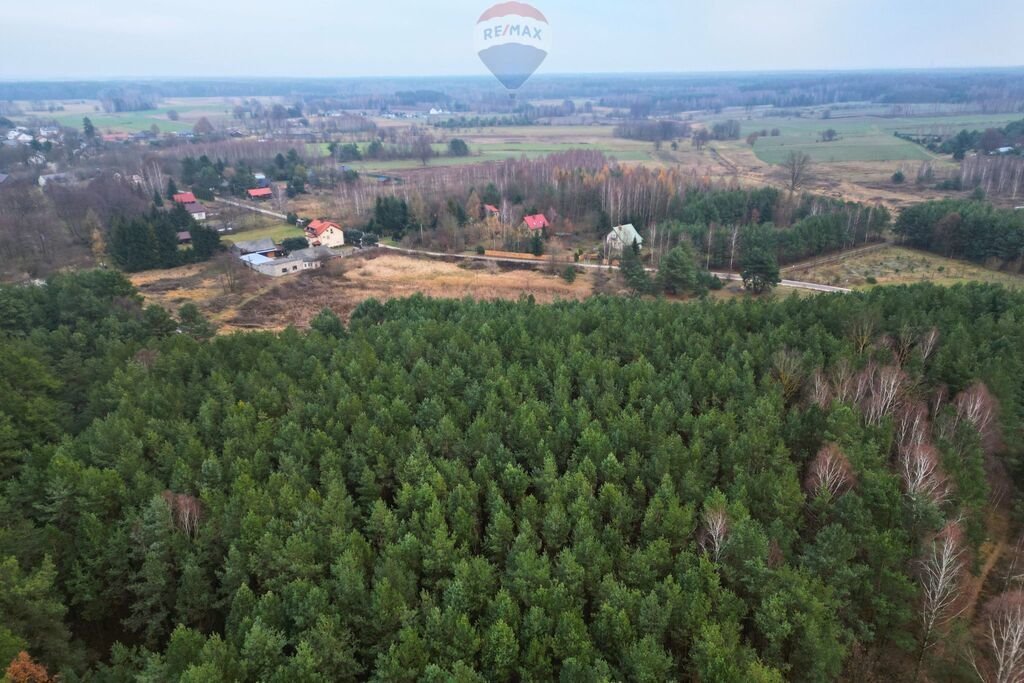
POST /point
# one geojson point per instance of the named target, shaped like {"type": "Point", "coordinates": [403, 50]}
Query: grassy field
{"type": "Point", "coordinates": [276, 232]}
{"type": "Point", "coordinates": [513, 142]}
{"type": "Point", "coordinates": [189, 110]}
{"type": "Point", "coordinates": [894, 265]}
{"type": "Point", "coordinates": [862, 137]}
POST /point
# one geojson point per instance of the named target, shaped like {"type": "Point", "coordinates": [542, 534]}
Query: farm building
{"type": "Point", "coordinates": [184, 198]}
{"type": "Point", "coordinates": [538, 222]}
{"type": "Point", "coordinates": [325, 233]}
{"type": "Point", "coordinates": [264, 247]}
{"type": "Point", "coordinates": [260, 193]}
{"type": "Point", "coordinates": [621, 237]}
{"type": "Point", "coordinates": [185, 237]}
{"type": "Point", "coordinates": [261, 180]}
{"type": "Point", "coordinates": [296, 262]}
{"type": "Point", "coordinates": [196, 210]}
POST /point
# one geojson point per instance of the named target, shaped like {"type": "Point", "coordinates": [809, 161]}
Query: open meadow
{"type": "Point", "coordinates": [895, 265]}
{"type": "Point", "coordinates": [259, 302]}
{"type": "Point", "coordinates": [189, 110]}
{"type": "Point", "coordinates": [513, 142]}
{"type": "Point", "coordinates": [866, 137]}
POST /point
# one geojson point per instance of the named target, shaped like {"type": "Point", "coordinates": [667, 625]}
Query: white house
{"type": "Point", "coordinates": [621, 237]}
{"type": "Point", "coordinates": [325, 234]}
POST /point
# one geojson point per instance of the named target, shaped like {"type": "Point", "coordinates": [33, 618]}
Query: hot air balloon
{"type": "Point", "coordinates": [513, 40]}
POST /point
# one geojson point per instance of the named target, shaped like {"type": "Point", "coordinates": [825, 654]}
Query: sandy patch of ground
{"type": "Point", "coordinates": [260, 302]}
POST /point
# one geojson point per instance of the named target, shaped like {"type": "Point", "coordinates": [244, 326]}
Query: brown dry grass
{"type": "Point", "coordinates": [893, 265]}
{"type": "Point", "coordinates": [860, 181]}
{"type": "Point", "coordinates": [269, 304]}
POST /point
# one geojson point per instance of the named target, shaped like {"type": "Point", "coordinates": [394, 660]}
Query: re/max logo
{"type": "Point", "coordinates": [512, 30]}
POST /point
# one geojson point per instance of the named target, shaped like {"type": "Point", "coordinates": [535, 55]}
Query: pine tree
{"type": "Point", "coordinates": [677, 273]}
{"type": "Point", "coordinates": [760, 270]}
{"type": "Point", "coordinates": [632, 269]}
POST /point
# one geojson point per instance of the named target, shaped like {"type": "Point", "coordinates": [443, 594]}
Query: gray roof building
{"type": "Point", "coordinates": [263, 246]}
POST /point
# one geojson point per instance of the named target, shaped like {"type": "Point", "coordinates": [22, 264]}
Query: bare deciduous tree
{"type": "Point", "coordinates": [715, 531]}
{"type": "Point", "coordinates": [941, 575]}
{"type": "Point", "coordinates": [843, 381]}
{"type": "Point", "coordinates": [978, 407]}
{"type": "Point", "coordinates": [830, 472]}
{"type": "Point", "coordinates": [1004, 640]}
{"type": "Point", "coordinates": [797, 167]}
{"type": "Point", "coordinates": [922, 474]}
{"type": "Point", "coordinates": [820, 390]}
{"type": "Point", "coordinates": [787, 371]}
{"type": "Point", "coordinates": [928, 342]}
{"type": "Point", "coordinates": [186, 510]}
{"type": "Point", "coordinates": [886, 392]}
{"type": "Point", "coordinates": [912, 427]}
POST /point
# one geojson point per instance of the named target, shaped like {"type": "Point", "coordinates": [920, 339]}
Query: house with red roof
{"type": "Point", "coordinates": [184, 198]}
{"type": "Point", "coordinates": [260, 193]}
{"type": "Point", "coordinates": [325, 234]}
{"type": "Point", "coordinates": [535, 223]}
{"type": "Point", "coordinates": [491, 210]}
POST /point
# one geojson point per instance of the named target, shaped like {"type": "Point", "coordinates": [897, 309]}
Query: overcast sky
{"type": "Point", "coordinates": [340, 38]}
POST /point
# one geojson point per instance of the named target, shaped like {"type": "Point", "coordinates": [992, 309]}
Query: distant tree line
{"type": "Point", "coordinates": [486, 121]}
{"type": "Point", "coordinates": [652, 131]}
{"type": "Point", "coordinates": [971, 230]}
{"type": "Point", "coordinates": [986, 141]}
{"type": "Point", "coordinates": [726, 130]}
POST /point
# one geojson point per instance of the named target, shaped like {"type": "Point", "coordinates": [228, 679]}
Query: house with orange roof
{"type": "Point", "coordinates": [322, 233]}
{"type": "Point", "coordinates": [536, 223]}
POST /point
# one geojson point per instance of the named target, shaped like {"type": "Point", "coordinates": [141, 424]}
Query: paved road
{"type": "Point", "coordinates": [255, 209]}
{"type": "Point", "coordinates": [793, 284]}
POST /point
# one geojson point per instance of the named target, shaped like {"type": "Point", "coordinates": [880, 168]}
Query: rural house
{"type": "Point", "coordinates": [264, 247]}
{"type": "Point", "coordinates": [184, 237]}
{"type": "Point", "coordinates": [260, 193]}
{"type": "Point", "coordinates": [296, 262]}
{"type": "Point", "coordinates": [325, 234]}
{"type": "Point", "coordinates": [491, 210]}
{"type": "Point", "coordinates": [196, 210]}
{"type": "Point", "coordinates": [184, 198]}
{"type": "Point", "coordinates": [537, 222]}
{"type": "Point", "coordinates": [621, 237]}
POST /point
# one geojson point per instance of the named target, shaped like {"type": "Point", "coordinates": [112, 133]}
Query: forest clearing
{"type": "Point", "coordinates": [896, 265]}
